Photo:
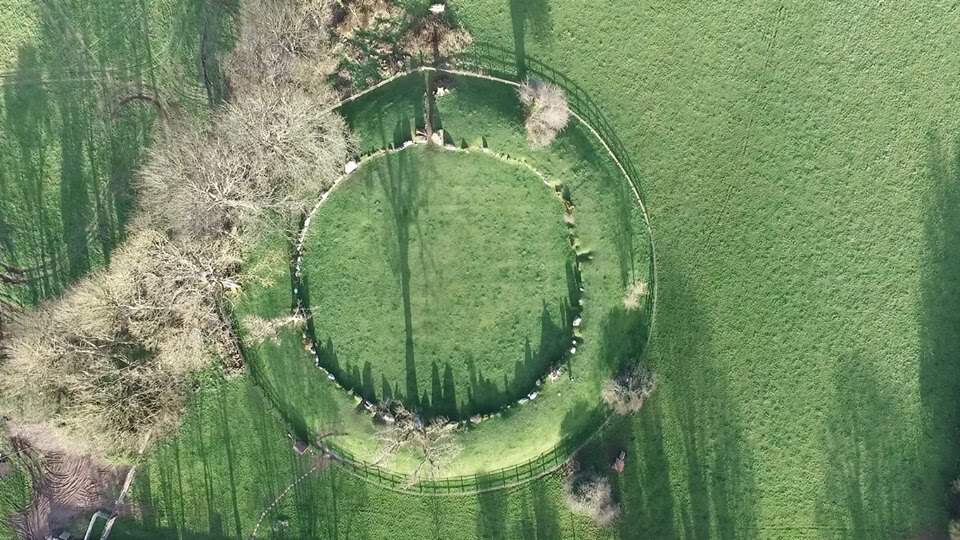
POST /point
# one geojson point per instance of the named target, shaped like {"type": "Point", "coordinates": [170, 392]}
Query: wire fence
{"type": "Point", "coordinates": [500, 63]}
{"type": "Point", "coordinates": [516, 475]}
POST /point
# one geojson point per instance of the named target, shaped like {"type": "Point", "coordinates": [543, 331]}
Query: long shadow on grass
{"type": "Point", "coordinates": [62, 136]}
{"type": "Point", "coordinates": [205, 31]}
{"type": "Point", "coordinates": [879, 483]}
{"type": "Point", "coordinates": [529, 513]}
{"type": "Point", "coordinates": [492, 515]}
{"type": "Point", "coordinates": [528, 14]}
{"type": "Point", "coordinates": [940, 320]}
{"type": "Point", "coordinates": [400, 182]}
{"type": "Point", "coordinates": [870, 459]}
{"type": "Point", "coordinates": [619, 196]}
{"type": "Point", "coordinates": [26, 125]}
{"type": "Point", "coordinates": [710, 491]}
{"type": "Point", "coordinates": [485, 395]}
{"type": "Point", "coordinates": [940, 324]}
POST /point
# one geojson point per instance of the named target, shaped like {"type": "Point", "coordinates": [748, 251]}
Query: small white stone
{"type": "Point", "coordinates": [349, 167]}
{"type": "Point", "coordinates": [437, 9]}
{"type": "Point", "coordinates": [533, 395]}
{"type": "Point", "coordinates": [577, 322]}
{"type": "Point", "coordinates": [573, 350]}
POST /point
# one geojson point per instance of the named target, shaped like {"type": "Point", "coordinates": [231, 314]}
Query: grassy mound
{"type": "Point", "coordinates": [442, 279]}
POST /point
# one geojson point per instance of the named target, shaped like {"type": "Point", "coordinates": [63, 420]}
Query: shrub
{"type": "Point", "coordinates": [112, 360]}
{"type": "Point", "coordinates": [954, 529]}
{"type": "Point", "coordinates": [260, 330]}
{"type": "Point", "coordinates": [627, 393]}
{"type": "Point", "coordinates": [635, 295]}
{"type": "Point", "coordinates": [547, 111]}
{"type": "Point", "coordinates": [592, 496]}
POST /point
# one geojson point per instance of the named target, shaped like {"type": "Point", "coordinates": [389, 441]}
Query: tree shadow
{"type": "Point", "coordinates": [492, 515]}
{"type": "Point", "coordinates": [867, 460]}
{"type": "Point", "coordinates": [940, 318]}
{"type": "Point", "coordinates": [204, 32]}
{"type": "Point", "coordinates": [624, 337]}
{"type": "Point", "coordinates": [644, 489]}
{"type": "Point", "coordinates": [709, 493]}
{"type": "Point", "coordinates": [526, 15]}
{"type": "Point", "coordinates": [881, 482]}
{"type": "Point", "coordinates": [618, 192]}
{"type": "Point", "coordinates": [27, 122]}
{"type": "Point", "coordinates": [400, 182]}
{"type": "Point", "coordinates": [65, 130]}
{"type": "Point", "coordinates": [388, 116]}
{"type": "Point", "coordinates": [719, 471]}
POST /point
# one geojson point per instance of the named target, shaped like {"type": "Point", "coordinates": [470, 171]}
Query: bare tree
{"type": "Point", "coordinates": [436, 36]}
{"type": "Point", "coordinates": [635, 295]}
{"type": "Point", "coordinates": [260, 162]}
{"type": "Point", "coordinates": [433, 442]}
{"type": "Point", "coordinates": [547, 111]}
{"type": "Point", "coordinates": [283, 43]}
{"type": "Point", "coordinates": [113, 358]}
{"type": "Point", "coordinates": [627, 393]}
{"type": "Point", "coordinates": [592, 496]}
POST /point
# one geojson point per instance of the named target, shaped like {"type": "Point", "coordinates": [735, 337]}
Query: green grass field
{"type": "Point", "coordinates": [440, 278]}
{"type": "Point", "coordinates": [71, 137]}
{"type": "Point", "coordinates": [567, 408]}
{"type": "Point", "coordinates": [799, 166]}
{"type": "Point", "coordinates": [800, 163]}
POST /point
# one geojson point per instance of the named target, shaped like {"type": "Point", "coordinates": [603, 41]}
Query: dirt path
{"type": "Point", "coordinates": [64, 487]}
{"type": "Point", "coordinates": [322, 462]}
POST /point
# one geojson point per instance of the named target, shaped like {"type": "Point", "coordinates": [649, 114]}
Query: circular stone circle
{"type": "Point", "coordinates": [441, 279]}
{"type": "Point", "coordinates": [513, 446]}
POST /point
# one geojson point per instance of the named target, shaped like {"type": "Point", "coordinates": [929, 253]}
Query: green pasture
{"type": "Point", "coordinates": [356, 255]}
{"type": "Point", "coordinates": [800, 166]}
{"type": "Point", "coordinates": [74, 124]}
{"type": "Point", "coordinates": [800, 163]}
{"type": "Point", "coordinates": [442, 279]}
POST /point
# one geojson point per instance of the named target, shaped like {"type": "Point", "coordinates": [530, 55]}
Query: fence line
{"type": "Point", "coordinates": [499, 65]}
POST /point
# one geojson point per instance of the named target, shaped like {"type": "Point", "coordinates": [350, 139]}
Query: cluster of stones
{"type": "Point", "coordinates": [382, 412]}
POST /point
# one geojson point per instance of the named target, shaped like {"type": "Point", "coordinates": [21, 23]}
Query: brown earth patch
{"type": "Point", "coordinates": [64, 487]}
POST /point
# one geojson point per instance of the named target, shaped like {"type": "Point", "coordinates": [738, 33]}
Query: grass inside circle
{"type": "Point", "coordinates": [441, 279]}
